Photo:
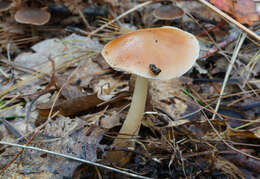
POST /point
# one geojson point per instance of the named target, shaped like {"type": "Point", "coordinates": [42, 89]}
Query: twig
{"type": "Point", "coordinates": [247, 124]}
{"type": "Point", "coordinates": [84, 19]}
{"type": "Point", "coordinates": [80, 31]}
{"type": "Point", "coordinates": [12, 161]}
{"type": "Point", "coordinates": [228, 40]}
{"type": "Point", "coordinates": [27, 143]}
{"type": "Point", "coordinates": [221, 23]}
{"type": "Point", "coordinates": [4, 74]}
{"type": "Point", "coordinates": [12, 76]}
{"type": "Point", "coordinates": [233, 59]}
{"type": "Point", "coordinates": [209, 36]}
{"type": "Point", "coordinates": [119, 17]}
{"type": "Point", "coordinates": [18, 66]}
{"type": "Point", "coordinates": [74, 158]}
{"type": "Point", "coordinates": [230, 19]}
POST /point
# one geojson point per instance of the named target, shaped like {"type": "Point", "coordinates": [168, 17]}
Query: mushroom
{"type": "Point", "coordinates": [5, 5]}
{"type": "Point", "coordinates": [168, 12]}
{"type": "Point", "coordinates": [153, 53]}
{"type": "Point", "coordinates": [33, 16]}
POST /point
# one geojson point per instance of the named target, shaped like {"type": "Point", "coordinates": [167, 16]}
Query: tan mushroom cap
{"type": "Point", "coordinates": [170, 49]}
{"type": "Point", "coordinates": [168, 12]}
{"type": "Point", "coordinates": [5, 5]}
{"type": "Point", "coordinates": [32, 16]}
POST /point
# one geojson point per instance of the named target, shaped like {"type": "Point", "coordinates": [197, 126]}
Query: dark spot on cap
{"type": "Point", "coordinates": [155, 69]}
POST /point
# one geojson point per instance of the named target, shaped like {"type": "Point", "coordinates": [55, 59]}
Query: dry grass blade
{"type": "Point", "coordinates": [39, 74]}
{"type": "Point", "coordinates": [9, 102]}
{"type": "Point", "coordinates": [4, 74]}
{"type": "Point", "coordinates": [233, 59]}
{"type": "Point", "coordinates": [120, 16]}
{"type": "Point", "coordinates": [251, 65]}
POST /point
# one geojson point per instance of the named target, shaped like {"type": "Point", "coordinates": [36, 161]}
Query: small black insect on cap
{"type": "Point", "coordinates": [155, 69]}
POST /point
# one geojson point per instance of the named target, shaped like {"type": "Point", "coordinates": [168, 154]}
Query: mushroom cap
{"type": "Point", "coordinates": [168, 12]}
{"type": "Point", "coordinates": [169, 49]}
{"type": "Point", "coordinates": [32, 16]}
{"type": "Point", "coordinates": [5, 5]}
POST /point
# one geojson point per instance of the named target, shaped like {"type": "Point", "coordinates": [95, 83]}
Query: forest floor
{"type": "Point", "coordinates": [62, 105]}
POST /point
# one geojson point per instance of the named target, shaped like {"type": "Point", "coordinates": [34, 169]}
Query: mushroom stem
{"type": "Point", "coordinates": [135, 114]}
{"type": "Point", "coordinates": [132, 123]}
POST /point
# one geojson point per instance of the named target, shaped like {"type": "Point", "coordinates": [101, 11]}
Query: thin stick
{"type": "Point", "coordinates": [233, 59]}
{"type": "Point", "coordinates": [4, 74]}
{"type": "Point", "coordinates": [18, 66]}
{"type": "Point", "coordinates": [74, 158]}
{"type": "Point", "coordinates": [119, 17]}
{"type": "Point", "coordinates": [84, 19]}
{"type": "Point", "coordinates": [230, 19]}
{"type": "Point", "coordinates": [9, 102]}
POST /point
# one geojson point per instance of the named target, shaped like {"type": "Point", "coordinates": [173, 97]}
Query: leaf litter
{"type": "Point", "coordinates": [65, 75]}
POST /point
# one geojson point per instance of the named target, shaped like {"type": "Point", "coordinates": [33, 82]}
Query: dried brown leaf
{"type": "Point", "coordinates": [244, 11]}
{"type": "Point", "coordinates": [70, 106]}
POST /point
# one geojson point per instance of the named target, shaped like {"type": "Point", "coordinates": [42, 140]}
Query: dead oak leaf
{"type": "Point", "coordinates": [244, 11]}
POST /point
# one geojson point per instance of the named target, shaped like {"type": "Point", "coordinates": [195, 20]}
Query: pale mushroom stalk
{"type": "Point", "coordinates": [135, 114]}
{"type": "Point", "coordinates": [132, 123]}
